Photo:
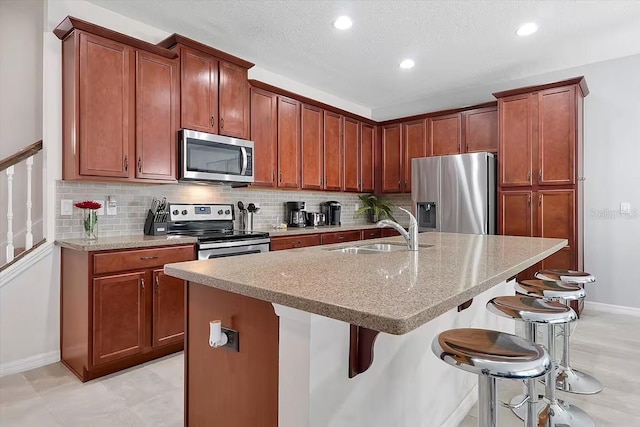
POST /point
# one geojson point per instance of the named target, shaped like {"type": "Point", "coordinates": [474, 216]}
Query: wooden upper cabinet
{"type": "Point", "coordinates": [118, 316]}
{"type": "Point", "coordinates": [415, 146]}
{"type": "Point", "coordinates": [106, 116]}
{"type": "Point", "coordinates": [557, 136]}
{"type": "Point", "coordinates": [367, 158]}
{"type": "Point", "coordinates": [516, 213]}
{"type": "Point", "coordinates": [391, 159]}
{"type": "Point", "coordinates": [481, 130]}
{"type": "Point", "coordinates": [234, 100]}
{"type": "Point", "coordinates": [446, 134]}
{"type": "Point", "coordinates": [515, 158]}
{"type": "Point", "coordinates": [351, 155]}
{"type": "Point", "coordinates": [264, 134]}
{"type": "Point", "coordinates": [198, 91]}
{"type": "Point", "coordinates": [332, 151]}
{"type": "Point", "coordinates": [168, 309]}
{"type": "Point", "coordinates": [288, 143]}
{"type": "Point", "coordinates": [311, 146]}
{"type": "Point", "coordinates": [156, 116]}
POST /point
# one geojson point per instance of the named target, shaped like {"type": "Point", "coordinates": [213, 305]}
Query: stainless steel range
{"type": "Point", "coordinates": [212, 224]}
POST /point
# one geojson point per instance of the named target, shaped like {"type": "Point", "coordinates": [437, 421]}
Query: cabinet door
{"type": "Point", "coordinates": [446, 134]}
{"type": "Point", "coordinates": [199, 91]}
{"type": "Point", "coordinates": [391, 159]}
{"type": "Point", "coordinates": [556, 219]}
{"type": "Point", "coordinates": [288, 143]}
{"type": "Point", "coordinates": [351, 155]}
{"type": "Point", "coordinates": [515, 160]}
{"type": "Point", "coordinates": [168, 309]}
{"type": "Point", "coordinates": [481, 130]}
{"type": "Point", "coordinates": [118, 316]}
{"type": "Point", "coordinates": [556, 136]}
{"type": "Point", "coordinates": [233, 100]}
{"type": "Point", "coordinates": [516, 214]}
{"type": "Point", "coordinates": [106, 107]}
{"type": "Point", "coordinates": [312, 156]}
{"type": "Point", "coordinates": [332, 151]}
{"type": "Point", "coordinates": [367, 158]}
{"type": "Point", "coordinates": [264, 134]}
{"type": "Point", "coordinates": [415, 146]}
{"type": "Point", "coordinates": [156, 116]}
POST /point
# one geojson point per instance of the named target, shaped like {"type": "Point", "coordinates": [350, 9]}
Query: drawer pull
{"type": "Point", "coordinates": [146, 258]}
{"type": "Point", "coordinates": [340, 237]}
{"type": "Point", "coordinates": [142, 283]}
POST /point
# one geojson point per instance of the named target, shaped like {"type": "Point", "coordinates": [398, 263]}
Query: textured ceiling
{"type": "Point", "coordinates": [455, 44]}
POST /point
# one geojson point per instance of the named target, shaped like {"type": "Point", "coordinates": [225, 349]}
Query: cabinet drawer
{"type": "Point", "coordinates": [282, 243]}
{"type": "Point", "coordinates": [339, 237]}
{"type": "Point", "coordinates": [140, 258]}
{"type": "Point", "coordinates": [389, 232]}
{"type": "Point", "coordinates": [373, 233]}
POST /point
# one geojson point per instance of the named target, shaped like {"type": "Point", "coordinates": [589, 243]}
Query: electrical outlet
{"type": "Point", "coordinates": [355, 207]}
{"type": "Point", "coordinates": [66, 207]}
{"type": "Point", "coordinates": [625, 208]}
{"type": "Point", "coordinates": [101, 210]}
{"type": "Point", "coordinates": [112, 205]}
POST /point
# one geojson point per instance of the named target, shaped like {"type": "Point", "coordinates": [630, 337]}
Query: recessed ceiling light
{"type": "Point", "coordinates": [342, 23]}
{"type": "Point", "coordinates": [527, 29]}
{"type": "Point", "coordinates": [407, 63]}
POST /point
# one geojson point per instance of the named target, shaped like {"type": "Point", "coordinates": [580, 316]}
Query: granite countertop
{"type": "Point", "coordinates": [295, 231]}
{"type": "Point", "coordinates": [123, 242]}
{"type": "Point", "coordinates": [393, 292]}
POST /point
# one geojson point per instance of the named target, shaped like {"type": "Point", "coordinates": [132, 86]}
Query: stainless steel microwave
{"type": "Point", "coordinates": [214, 158]}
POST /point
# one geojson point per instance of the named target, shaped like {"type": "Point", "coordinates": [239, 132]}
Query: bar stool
{"type": "Point", "coordinates": [491, 355]}
{"type": "Point", "coordinates": [567, 378]}
{"type": "Point", "coordinates": [536, 311]}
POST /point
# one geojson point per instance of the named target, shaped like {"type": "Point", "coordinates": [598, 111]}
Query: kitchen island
{"type": "Point", "coordinates": [328, 338]}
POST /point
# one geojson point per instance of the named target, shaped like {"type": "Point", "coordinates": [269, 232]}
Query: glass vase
{"type": "Point", "coordinates": [90, 220]}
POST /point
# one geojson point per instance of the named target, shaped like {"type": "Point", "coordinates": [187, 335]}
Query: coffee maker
{"type": "Point", "coordinates": [294, 214]}
{"type": "Point", "coordinates": [331, 210]}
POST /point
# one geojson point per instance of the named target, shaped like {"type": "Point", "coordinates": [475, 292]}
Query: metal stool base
{"type": "Point", "coordinates": [574, 381]}
{"type": "Point", "coordinates": [561, 414]}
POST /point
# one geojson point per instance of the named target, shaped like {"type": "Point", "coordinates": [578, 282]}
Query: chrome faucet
{"type": "Point", "coordinates": [411, 237]}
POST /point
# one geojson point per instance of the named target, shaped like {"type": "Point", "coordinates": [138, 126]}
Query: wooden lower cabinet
{"type": "Point", "coordinates": [340, 237]}
{"type": "Point", "coordinates": [294, 242]}
{"type": "Point", "coordinates": [112, 319]}
{"type": "Point", "coordinates": [280, 243]}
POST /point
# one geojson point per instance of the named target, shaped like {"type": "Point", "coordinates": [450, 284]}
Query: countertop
{"type": "Point", "coordinates": [123, 242]}
{"type": "Point", "coordinates": [393, 292]}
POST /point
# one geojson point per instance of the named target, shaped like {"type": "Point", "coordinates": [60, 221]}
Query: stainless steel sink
{"type": "Point", "coordinates": [374, 248]}
{"type": "Point", "coordinates": [356, 250]}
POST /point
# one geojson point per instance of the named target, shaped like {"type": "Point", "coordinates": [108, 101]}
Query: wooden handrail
{"type": "Point", "coordinates": [25, 153]}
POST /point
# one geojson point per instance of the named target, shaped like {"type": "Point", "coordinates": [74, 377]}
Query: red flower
{"type": "Point", "coordinates": [88, 204]}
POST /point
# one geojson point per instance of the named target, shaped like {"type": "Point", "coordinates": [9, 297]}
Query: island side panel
{"type": "Point", "coordinates": [222, 387]}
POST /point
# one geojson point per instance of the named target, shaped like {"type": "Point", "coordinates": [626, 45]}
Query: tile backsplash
{"type": "Point", "coordinates": [133, 200]}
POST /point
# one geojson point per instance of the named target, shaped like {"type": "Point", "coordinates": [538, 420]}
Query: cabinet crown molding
{"type": "Point", "coordinates": [580, 81]}
{"type": "Point", "coordinates": [175, 39]}
{"type": "Point", "coordinates": [71, 23]}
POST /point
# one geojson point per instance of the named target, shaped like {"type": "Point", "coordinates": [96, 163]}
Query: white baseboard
{"type": "Point", "coordinates": [610, 308]}
{"type": "Point", "coordinates": [461, 412]}
{"type": "Point", "coordinates": [28, 363]}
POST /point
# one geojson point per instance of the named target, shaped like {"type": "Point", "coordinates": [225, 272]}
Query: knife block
{"type": "Point", "coordinates": [152, 228]}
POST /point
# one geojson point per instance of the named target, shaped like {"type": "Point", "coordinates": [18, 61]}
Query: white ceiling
{"type": "Point", "coordinates": [456, 45]}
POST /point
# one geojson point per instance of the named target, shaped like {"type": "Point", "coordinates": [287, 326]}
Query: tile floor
{"type": "Point", "coordinates": [606, 345]}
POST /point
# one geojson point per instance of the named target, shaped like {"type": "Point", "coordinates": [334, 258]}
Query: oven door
{"type": "Point", "coordinates": [227, 249]}
{"type": "Point", "coordinates": [208, 157]}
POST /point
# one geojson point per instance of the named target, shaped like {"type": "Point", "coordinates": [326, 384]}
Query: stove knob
{"type": "Point", "coordinates": [175, 212]}
{"type": "Point", "coordinates": [184, 212]}
{"type": "Point", "coordinates": [220, 212]}
{"type": "Point", "coordinates": [227, 212]}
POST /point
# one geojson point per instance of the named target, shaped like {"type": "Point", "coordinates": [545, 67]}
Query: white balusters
{"type": "Point", "coordinates": [9, 256]}
{"type": "Point", "coordinates": [28, 238]}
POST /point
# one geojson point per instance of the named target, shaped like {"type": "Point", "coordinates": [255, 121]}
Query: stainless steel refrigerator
{"type": "Point", "coordinates": [455, 194]}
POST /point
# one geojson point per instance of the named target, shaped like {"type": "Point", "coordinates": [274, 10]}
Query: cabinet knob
{"type": "Point", "coordinates": [467, 146]}
{"type": "Point", "coordinates": [221, 123]}
{"type": "Point", "coordinates": [539, 175]}
{"type": "Point", "coordinates": [157, 284]}
{"type": "Point", "coordinates": [406, 184]}
{"type": "Point", "coordinates": [399, 184]}
{"type": "Point", "coordinates": [273, 175]}
{"type": "Point", "coordinates": [529, 199]}
{"type": "Point", "coordinates": [139, 164]}
{"type": "Point", "coordinates": [539, 199]}
{"type": "Point", "coordinates": [528, 175]}
{"type": "Point", "coordinates": [280, 176]}
{"type": "Point", "coordinates": [213, 121]}
{"type": "Point", "coordinates": [126, 163]}
{"type": "Point", "coordinates": [142, 283]}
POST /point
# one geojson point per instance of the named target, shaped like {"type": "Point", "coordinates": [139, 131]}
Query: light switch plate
{"type": "Point", "coordinates": [101, 210]}
{"type": "Point", "coordinates": [66, 207]}
{"type": "Point", "coordinates": [625, 207]}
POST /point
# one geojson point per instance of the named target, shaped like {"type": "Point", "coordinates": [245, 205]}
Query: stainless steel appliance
{"type": "Point", "coordinates": [212, 225]}
{"type": "Point", "coordinates": [316, 219]}
{"type": "Point", "coordinates": [214, 158]}
{"type": "Point", "coordinates": [295, 214]}
{"type": "Point", "coordinates": [331, 209]}
{"type": "Point", "coordinates": [455, 193]}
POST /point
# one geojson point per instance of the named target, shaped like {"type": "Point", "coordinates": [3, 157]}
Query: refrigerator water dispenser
{"type": "Point", "coordinates": [427, 218]}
